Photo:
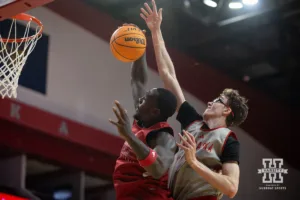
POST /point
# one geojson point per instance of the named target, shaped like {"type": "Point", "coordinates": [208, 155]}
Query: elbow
{"type": "Point", "coordinates": [232, 192]}
{"type": "Point", "coordinates": [166, 76]}
{"type": "Point", "coordinates": [157, 177]}
{"type": "Point", "coordinates": [164, 73]}
{"type": "Point", "coordinates": [159, 169]}
{"type": "Point", "coordinates": [159, 172]}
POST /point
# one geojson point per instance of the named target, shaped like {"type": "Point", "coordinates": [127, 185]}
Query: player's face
{"type": "Point", "coordinates": [216, 108]}
{"type": "Point", "coordinates": [147, 105]}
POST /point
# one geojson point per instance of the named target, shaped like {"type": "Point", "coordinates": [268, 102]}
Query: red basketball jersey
{"type": "Point", "coordinates": [131, 181]}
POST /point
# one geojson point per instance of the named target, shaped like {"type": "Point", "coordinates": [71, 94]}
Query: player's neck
{"type": "Point", "coordinates": [215, 123]}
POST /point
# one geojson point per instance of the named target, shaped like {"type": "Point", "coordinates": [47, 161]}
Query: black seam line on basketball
{"type": "Point", "coordinates": [126, 34]}
{"type": "Point", "coordinates": [130, 46]}
{"type": "Point", "coordinates": [120, 54]}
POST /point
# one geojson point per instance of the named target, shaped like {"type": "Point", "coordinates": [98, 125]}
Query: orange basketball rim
{"type": "Point", "coordinates": [14, 51]}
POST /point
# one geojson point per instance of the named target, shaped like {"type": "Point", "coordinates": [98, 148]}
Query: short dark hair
{"type": "Point", "coordinates": [166, 102]}
{"type": "Point", "coordinates": [238, 105]}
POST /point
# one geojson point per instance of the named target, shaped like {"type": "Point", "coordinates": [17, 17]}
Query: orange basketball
{"type": "Point", "coordinates": [128, 43]}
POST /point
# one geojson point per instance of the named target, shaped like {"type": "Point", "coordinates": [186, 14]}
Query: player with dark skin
{"type": "Point", "coordinates": [146, 112]}
{"type": "Point", "coordinates": [152, 107]}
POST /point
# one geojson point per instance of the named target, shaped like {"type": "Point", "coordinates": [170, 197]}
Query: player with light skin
{"type": "Point", "coordinates": [149, 148]}
{"type": "Point", "coordinates": [207, 164]}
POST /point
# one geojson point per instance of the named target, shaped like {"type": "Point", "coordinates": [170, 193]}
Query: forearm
{"type": "Point", "coordinates": [166, 68]}
{"type": "Point", "coordinates": [139, 79]}
{"type": "Point", "coordinates": [164, 62]}
{"type": "Point", "coordinates": [223, 183]}
{"type": "Point", "coordinates": [141, 151]}
{"type": "Point", "coordinates": [139, 70]}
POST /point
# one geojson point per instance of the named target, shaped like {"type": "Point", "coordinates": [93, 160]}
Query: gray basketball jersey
{"type": "Point", "coordinates": [184, 182]}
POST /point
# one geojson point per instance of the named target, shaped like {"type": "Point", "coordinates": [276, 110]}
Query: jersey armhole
{"type": "Point", "coordinates": [225, 141]}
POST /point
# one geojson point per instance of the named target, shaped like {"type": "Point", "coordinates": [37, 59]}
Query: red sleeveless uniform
{"type": "Point", "coordinates": [131, 181]}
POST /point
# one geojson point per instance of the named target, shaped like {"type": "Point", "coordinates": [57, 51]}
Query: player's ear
{"type": "Point", "coordinates": [227, 111]}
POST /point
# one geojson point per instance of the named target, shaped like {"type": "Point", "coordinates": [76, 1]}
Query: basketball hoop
{"type": "Point", "coordinates": [14, 51]}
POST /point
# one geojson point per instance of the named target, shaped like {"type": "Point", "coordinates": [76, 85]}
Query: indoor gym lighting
{"type": "Point", "coordinates": [235, 5]}
{"type": "Point", "coordinates": [210, 3]}
{"type": "Point", "coordinates": [250, 2]}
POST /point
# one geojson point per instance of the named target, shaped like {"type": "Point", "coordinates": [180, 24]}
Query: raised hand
{"type": "Point", "coordinates": [189, 146]}
{"type": "Point", "coordinates": [151, 16]}
{"type": "Point", "coordinates": [123, 124]}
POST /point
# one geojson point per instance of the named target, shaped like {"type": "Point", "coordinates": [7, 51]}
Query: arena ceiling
{"type": "Point", "coordinates": [252, 49]}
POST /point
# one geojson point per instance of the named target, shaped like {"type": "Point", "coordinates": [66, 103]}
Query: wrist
{"type": "Point", "coordinates": [155, 31]}
{"type": "Point", "coordinates": [193, 163]}
{"type": "Point", "coordinates": [157, 39]}
{"type": "Point", "coordinates": [129, 137]}
{"type": "Point", "coordinates": [156, 34]}
{"type": "Point", "coordinates": [149, 160]}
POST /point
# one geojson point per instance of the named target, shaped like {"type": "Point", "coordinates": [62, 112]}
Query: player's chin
{"type": "Point", "coordinates": [206, 114]}
{"type": "Point", "coordinates": [136, 116]}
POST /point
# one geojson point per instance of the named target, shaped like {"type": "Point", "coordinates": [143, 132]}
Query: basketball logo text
{"type": "Point", "coordinates": [136, 40]}
{"type": "Point", "coordinates": [131, 29]}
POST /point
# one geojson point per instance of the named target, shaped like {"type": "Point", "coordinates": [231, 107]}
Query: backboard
{"type": "Point", "coordinates": [9, 8]}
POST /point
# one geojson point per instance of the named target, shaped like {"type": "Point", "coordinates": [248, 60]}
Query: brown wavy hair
{"type": "Point", "coordinates": [238, 105]}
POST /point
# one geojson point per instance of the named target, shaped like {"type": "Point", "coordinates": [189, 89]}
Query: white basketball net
{"type": "Point", "coordinates": [13, 56]}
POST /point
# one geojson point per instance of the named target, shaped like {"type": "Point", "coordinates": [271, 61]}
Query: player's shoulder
{"type": "Point", "coordinates": [161, 136]}
{"type": "Point", "coordinates": [232, 140]}
{"type": "Point", "coordinates": [163, 132]}
{"type": "Point", "coordinates": [225, 133]}
{"type": "Point", "coordinates": [187, 115]}
{"type": "Point", "coordinates": [186, 106]}
{"type": "Point", "coordinates": [231, 150]}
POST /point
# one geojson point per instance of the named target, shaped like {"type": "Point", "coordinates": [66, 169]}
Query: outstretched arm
{"type": "Point", "coordinates": [139, 79]}
{"type": "Point", "coordinates": [164, 63]}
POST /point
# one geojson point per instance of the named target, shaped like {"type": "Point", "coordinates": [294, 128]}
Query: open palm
{"type": "Point", "coordinates": [151, 16]}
